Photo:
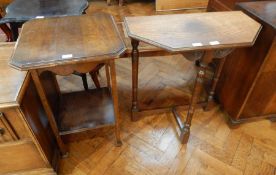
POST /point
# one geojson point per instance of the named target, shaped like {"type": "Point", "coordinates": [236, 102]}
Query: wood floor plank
{"type": "Point", "coordinates": [107, 160]}
{"type": "Point", "coordinates": [242, 152]}
{"type": "Point", "coordinates": [202, 162]}
{"type": "Point", "coordinates": [151, 145]}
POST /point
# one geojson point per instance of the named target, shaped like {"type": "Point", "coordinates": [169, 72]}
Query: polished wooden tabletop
{"type": "Point", "coordinates": [184, 32]}
{"type": "Point", "coordinates": [22, 10]}
{"type": "Point", "coordinates": [265, 10]}
{"type": "Point", "coordinates": [58, 41]}
{"type": "Point", "coordinates": [11, 80]}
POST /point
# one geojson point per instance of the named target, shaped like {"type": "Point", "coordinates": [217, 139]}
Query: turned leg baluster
{"type": "Point", "coordinates": [215, 79]}
{"type": "Point", "coordinates": [135, 63]}
{"type": "Point", "coordinates": [221, 55]}
{"type": "Point", "coordinates": [185, 128]}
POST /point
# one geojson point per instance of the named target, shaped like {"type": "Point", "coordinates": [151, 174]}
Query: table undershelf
{"type": "Point", "coordinates": [84, 110]}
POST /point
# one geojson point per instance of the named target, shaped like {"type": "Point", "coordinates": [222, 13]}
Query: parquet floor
{"type": "Point", "coordinates": [150, 146]}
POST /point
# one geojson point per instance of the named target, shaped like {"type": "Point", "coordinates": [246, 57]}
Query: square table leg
{"type": "Point", "coordinates": [107, 74]}
{"type": "Point", "coordinates": [49, 113]}
{"type": "Point", "coordinates": [115, 101]}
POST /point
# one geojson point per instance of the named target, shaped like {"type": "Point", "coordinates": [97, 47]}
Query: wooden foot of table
{"type": "Point", "coordinates": [134, 115]}
{"type": "Point", "coordinates": [118, 143]}
{"type": "Point", "coordinates": [185, 135]}
{"type": "Point", "coordinates": [64, 156]}
{"type": "Point", "coordinates": [184, 130]}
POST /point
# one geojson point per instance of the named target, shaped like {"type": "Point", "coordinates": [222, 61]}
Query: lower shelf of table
{"type": "Point", "coordinates": [85, 110]}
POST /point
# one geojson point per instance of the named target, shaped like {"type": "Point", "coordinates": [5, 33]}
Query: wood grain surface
{"type": "Point", "coordinates": [163, 5]}
{"type": "Point", "coordinates": [265, 10]}
{"type": "Point", "coordinates": [150, 146]}
{"type": "Point", "coordinates": [11, 79]}
{"type": "Point", "coordinates": [184, 32]}
{"type": "Point", "coordinates": [57, 41]}
{"type": "Point", "coordinates": [21, 11]}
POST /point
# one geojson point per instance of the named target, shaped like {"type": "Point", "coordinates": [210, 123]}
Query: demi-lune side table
{"type": "Point", "coordinates": [60, 48]}
{"type": "Point", "coordinates": [198, 36]}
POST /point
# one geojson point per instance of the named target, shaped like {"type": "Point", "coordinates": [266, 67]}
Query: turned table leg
{"type": "Point", "coordinates": [115, 102]}
{"type": "Point", "coordinates": [198, 87]}
{"type": "Point", "coordinates": [221, 56]}
{"type": "Point", "coordinates": [135, 63]}
{"type": "Point", "coordinates": [49, 113]}
{"type": "Point", "coordinates": [215, 79]}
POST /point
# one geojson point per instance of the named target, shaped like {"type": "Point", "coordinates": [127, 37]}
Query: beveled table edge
{"type": "Point", "coordinates": [6, 19]}
{"type": "Point", "coordinates": [69, 61]}
{"type": "Point", "coordinates": [187, 49]}
{"type": "Point", "coordinates": [113, 55]}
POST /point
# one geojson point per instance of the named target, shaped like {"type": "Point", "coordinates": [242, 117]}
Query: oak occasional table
{"type": "Point", "coordinates": [20, 11]}
{"type": "Point", "coordinates": [61, 48]}
{"type": "Point", "coordinates": [198, 36]}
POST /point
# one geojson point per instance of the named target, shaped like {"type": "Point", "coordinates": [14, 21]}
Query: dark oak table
{"type": "Point", "coordinates": [61, 48]}
{"type": "Point", "coordinates": [20, 11]}
{"type": "Point", "coordinates": [199, 36]}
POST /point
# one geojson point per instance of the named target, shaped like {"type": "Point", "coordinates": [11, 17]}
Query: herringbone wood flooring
{"type": "Point", "coordinates": [150, 146]}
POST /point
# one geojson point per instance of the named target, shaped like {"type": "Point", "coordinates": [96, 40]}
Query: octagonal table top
{"type": "Point", "coordinates": [196, 31]}
{"type": "Point", "coordinates": [50, 42]}
{"type": "Point", "coordinates": [22, 10]}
